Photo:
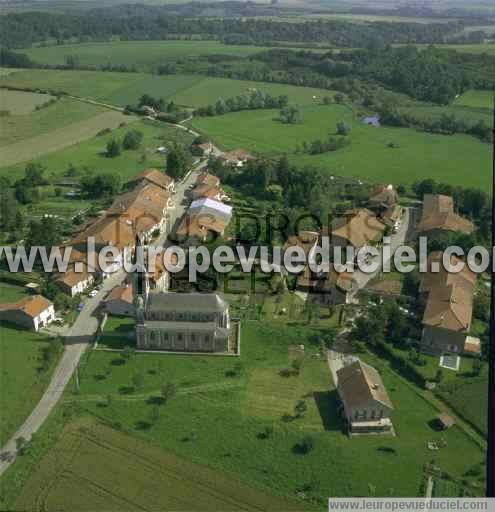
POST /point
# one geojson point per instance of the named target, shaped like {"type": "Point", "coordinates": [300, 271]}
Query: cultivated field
{"type": "Point", "coordinates": [477, 99]}
{"type": "Point", "coordinates": [142, 54]}
{"type": "Point", "coordinates": [21, 103]}
{"type": "Point", "coordinates": [86, 469]}
{"type": "Point", "coordinates": [458, 159]}
{"type": "Point", "coordinates": [21, 380]}
{"type": "Point", "coordinates": [219, 415]}
{"type": "Point", "coordinates": [91, 152]}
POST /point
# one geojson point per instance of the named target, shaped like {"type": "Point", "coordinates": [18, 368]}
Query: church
{"type": "Point", "coordinates": [181, 322]}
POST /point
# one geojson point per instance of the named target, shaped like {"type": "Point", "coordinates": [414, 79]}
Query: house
{"type": "Point", "coordinates": [236, 158]}
{"type": "Point", "coordinates": [73, 283]}
{"type": "Point", "coordinates": [32, 312]}
{"type": "Point", "coordinates": [366, 404]}
{"type": "Point", "coordinates": [154, 176]}
{"type": "Point", "coordinates": [357, 228]}
{"type": "Point", "coordinates": [448, 298]}
{"type": "Point", "coordinates": [204, 216]}
{"type": "Point", "coordinates": [209, 192]}
{"type": "Point", "coordinates": [120, 301]}
{"type": "Point", "coordinates": [145, 206]}
{"type": "Point", "coordinates": [383, 195]}
{"type": "Point", "coordinates": [445, 421]}
{"type": "Point", "coordinates": [205, 178]}
{"type": "Point", "coordinates": [203, 149]}
{"type": "Point", "coordinates": [439, 216]}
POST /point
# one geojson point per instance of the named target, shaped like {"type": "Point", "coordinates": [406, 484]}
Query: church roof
{"type": "Point", "coordinates": [197, 302]}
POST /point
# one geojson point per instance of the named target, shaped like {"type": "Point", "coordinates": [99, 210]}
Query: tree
{"type": "Point", "coordinates": [137, 381]}
{"type": "Point", "coordinates": [45, 232]}
{"type": "Point", "coordinates": [72, 61]}
{"type": "Point", "coordinates": [132, 140]}
{"type": "Point", "coordinates": [305, 445]}
{"type": "Point", "coordinates": [290, 115]}
{"type": "Point", "coordinates": [168, 391]}
{"type": "Point", "coordinates": [127, 352]}
{"type": "Point", "coordinates": [178, 161]}
{"type": "Point", "coordinates": [100, 185]}
{"type": "Point", "coordinates": [300, 408]}
{"type": "Point", "coordinates": [343, 128]}
{"type": "Point", "coordinates": [33, 174]}
{"type": "Point", "coordinates": [477, 366]}
{"type": "Point", "coordinates": [439, 376]}
{"type": "Point", "coordinates": [296, 366]}
{"type": "Point", "coordinates": [113, 148]}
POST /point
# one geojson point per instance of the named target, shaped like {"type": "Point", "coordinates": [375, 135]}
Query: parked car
{"type": "Point", "coordinates": [93, 293]}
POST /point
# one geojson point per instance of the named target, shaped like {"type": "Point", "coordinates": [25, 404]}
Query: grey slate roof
{"type": "Point", "coordinates": [176, 302]}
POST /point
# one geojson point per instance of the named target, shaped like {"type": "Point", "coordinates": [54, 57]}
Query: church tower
{"type": "Point", "coordinates": [141, 286]}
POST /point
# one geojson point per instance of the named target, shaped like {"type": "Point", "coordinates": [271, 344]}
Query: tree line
{"type": "Point", "coordinates": [140, 22]}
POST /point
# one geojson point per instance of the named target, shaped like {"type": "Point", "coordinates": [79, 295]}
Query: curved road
{"type": "Point", "coordinates": [78, 339]}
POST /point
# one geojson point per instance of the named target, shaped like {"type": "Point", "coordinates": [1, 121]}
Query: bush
{"type": "Point", "coordinates": [113, 148]}
{"type": "Point", "coordinates": [132, 140]}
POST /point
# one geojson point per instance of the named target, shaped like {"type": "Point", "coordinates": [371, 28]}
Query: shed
{"type": "Point", "coordinates": [445, 421]}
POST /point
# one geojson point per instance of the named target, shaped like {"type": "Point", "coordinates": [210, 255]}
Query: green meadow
{"type": "Point", "coordinates": [144, 55]}
{"type": "Point", "coordinates": [126, 88]}
{"type": "Point", "coordinates": [219, 415]}
{"type": "Point", "coordinates": [477, 99]}
{"type": "Point", "coordinates": [457, 159]}
{"type": "Point", "coordinates": [22, 381]}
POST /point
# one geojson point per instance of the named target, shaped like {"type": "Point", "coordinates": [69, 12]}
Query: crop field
{"type": "Point", "coordinates": [220, 416]}
{"type": "Point", "coordinates": [21, 103]}
{"type": "Point", "coordinates": [91, 152]}
{"type": "Point", "coordinates": [21, 381]}
{"type": "Point", "coordinates": [477, 99]}
{"type": "Point", "coordinates": [86, 469]}
{"type": "Point", "coordinates": [458, 159]}
{"type": "Point", "coordinates": [142, 54]}
{"type": "Point", "coordinates": [59, 115]}
{"type": "Point", "coordinates": [31, 146]}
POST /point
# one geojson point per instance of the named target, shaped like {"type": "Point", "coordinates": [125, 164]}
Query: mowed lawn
{"type": "Point", "coordinates": [458, 159]}
{"type": "Point", "coordinates": [21, 381]}
{"type": "Point", "coordinates": [141, 54]}
{"type": "Point", "coordinates": [477, 99]}
{"type": "Point", "coordinates": [218, 417]}
{"type": "Point", "coordinates": [19, 102]}
{"type": "Point", "coordinates": [104, 469]}
{"type": "Point", "coordinates": [91, 153]}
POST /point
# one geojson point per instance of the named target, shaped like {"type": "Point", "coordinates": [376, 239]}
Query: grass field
{"type": "Point", "coordinates": [457, 159]}
{"type": "Point", "coordinates": [477, 99]}
{"type": "Point", "coordinates": [21, 103]}
{"type": "Point", "coordinates": [142, 54]}
{"type": "Point", "coordinates": [469, 398]}
{"type": "Point", "coordinates": [21, 381]}
{"type": "Point", "coordinates": [126, 88]}
{"type": "Point", "coordinates": [217, 419]}
{"type": "Point", "coordinates": [90, 153]}
{"type": "Point", "coordinates": [86, 469]}
{"type": "Point", "coordinates": [470, 114]}
{"type": "Point", "coordinates": [10, 292]}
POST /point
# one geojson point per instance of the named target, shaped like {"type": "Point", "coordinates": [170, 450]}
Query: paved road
{"type": "Point", "coordinates": [361, 279]}
{"type": "Point", "coordinates": [78, 338]}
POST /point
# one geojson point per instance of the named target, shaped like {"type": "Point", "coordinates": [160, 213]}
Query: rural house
{"type": "Point", "coordinates": [154, 176]}
{"type": "Point", "coordinates": [439, 216]}
{"type": "Point", "coordinates": [236, 158]}
{"type": "Point", "coordinates": [366, 404]}
{"type": "Point", "coordinates": [447, 318]}
{"type": "Point", "coordinates": [120, 301]}
{"type": "Point", "coordinates": [32, 312]}
{"type": "Point", "coordinates": [73, 283]}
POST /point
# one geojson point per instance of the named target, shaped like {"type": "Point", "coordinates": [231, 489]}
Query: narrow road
{"type": "Point", "coordinates": [80, 336]}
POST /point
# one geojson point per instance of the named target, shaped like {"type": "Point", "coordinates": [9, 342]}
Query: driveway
{"type": "Point", "coordinates": [77, 339]}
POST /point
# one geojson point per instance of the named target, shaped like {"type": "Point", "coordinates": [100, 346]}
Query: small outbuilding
{"type": "Point", "coordinates": [445, 421]}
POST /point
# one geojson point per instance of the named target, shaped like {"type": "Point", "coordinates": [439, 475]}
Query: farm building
{"type": "Point", "coordinates": [32, 312]}
{"type": "Point", "coordinates": [447, 317]}
{"type": "Point", "coordinates": [367, 406]}
{"type": "Point", "coordinates": [439, 216]}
